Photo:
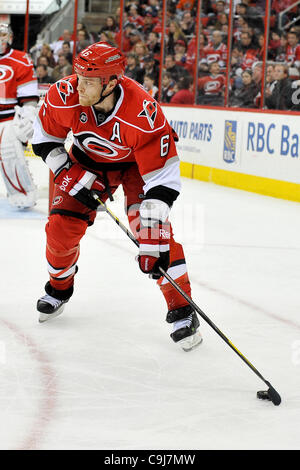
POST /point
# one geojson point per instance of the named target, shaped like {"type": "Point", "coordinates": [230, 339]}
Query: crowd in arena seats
{"type": "Point", "coordinates": [140, 40]}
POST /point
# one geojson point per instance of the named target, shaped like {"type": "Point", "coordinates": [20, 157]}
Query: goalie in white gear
{"type": "Point", "coordinates": [18, 108]}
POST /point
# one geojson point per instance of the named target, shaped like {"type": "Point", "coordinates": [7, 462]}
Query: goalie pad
{"type": "Point", "coordinates": [21, 190]}
{"type": "Point", "coordinates": [23, 122]}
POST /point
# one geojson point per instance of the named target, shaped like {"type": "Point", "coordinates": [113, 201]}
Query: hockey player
{"type": "Point", "coordinates": [121, 136]}
{"type": "Point", "coordinates": [18, 109]}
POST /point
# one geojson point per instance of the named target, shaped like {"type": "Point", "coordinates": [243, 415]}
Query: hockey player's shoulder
{"type": "Point", "coordinates": [140, 110]}
{"type": "Point", "coordinates": [63, 93]}
{"type": "Point", "coordinates": [20, 57]}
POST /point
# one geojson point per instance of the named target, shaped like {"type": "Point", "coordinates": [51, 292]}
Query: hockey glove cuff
{"type": "Point", "coordinates": [80, 184]}
{"type": "Point", "coordinates": [154, 237]}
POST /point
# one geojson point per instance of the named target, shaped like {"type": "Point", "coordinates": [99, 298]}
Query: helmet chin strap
{"type": "Point", "coordinates": [102, 98]}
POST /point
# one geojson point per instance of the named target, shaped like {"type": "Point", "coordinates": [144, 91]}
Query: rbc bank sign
{"type": "Point", "coordinates": [261, 137]}
{"type": "Point", "coordinates": [272, 138]}
{"type": "Point", "coordinates": [229, 149]}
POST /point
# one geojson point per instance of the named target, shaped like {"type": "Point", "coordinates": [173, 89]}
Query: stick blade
{"type": "Point", "coordinates": [273, 395]}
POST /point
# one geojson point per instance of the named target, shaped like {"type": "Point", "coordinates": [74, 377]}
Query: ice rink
{"type": "Point", "coordinates": [106, 375]}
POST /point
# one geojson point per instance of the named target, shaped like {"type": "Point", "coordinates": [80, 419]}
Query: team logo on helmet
{"type": "Point", "coordinates": [97, 145]}
{"type": "Point", "coordinates": [64, 88]}
{"type": "Point", "coordinates": [6, 73]}
{"type": "Point", "coordinates": [149, 111]}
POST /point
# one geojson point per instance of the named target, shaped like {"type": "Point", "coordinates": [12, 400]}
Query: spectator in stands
{"type": "Point", "coordinates": [211, 87]}
{"type": "Point", "coordinates": [133, 69]}
{"type": "Point", "coordinates": [109, 37]}
{"type": "Point", "coordinates": [62, 69]}
{"type": "Point", "coordinates": [92, 36]}
{"type": "Point", "coordinates": [56, 46]}
{"type": "Point", "coordinates": [184, 95]}
{"type": "Point", "coordinates": [180, 52]}
{"type": "Point", "coordinates": [123, 36]}
{"type": "Point", "coordinates": [257, 73]}
{"type": "Point", "coordinates": [43, 60]}
{"type": "Point", "coordinates": [281, 51]}
{"type": "Point", "coordinates": [149, 85]}
{"type": "Point", "coordinates": [134, 38]}
{"type": "Point", "coordinates": [219, 10]}
{"type": "Point", "coordinates": [216, 50]}
{"type": "Point", "coordinates": [270, 79]}
{"type": "Point", "coordinates": [152, 7]}
{"type": "Point", "coordinates": [151, 67]}
{"type": "Point", "coordinates": [247, 44]}
{"type": "Point", "coordinates": [255, 9]}
{"type": "Point", "coordinates": [241, 26]}
{"type": "Point", "coordinates": [47, 52]}
{"type": "Point", "coordinates": [109, 25]}
{"type": "Point", "coordinates": [244, 96]}
{"type": "Point", "coordinates": [184, 5]}
{"type": "Point", "coordinates": [66, 49]}
{"type": "Point", "coordinates": [42, 74]}
{"type": "Point", "coordinates": [83, 40]}
{"type": "Point", "coordinates": [167, 87]}
{"type": "Point", "coordinates": [222, 20]}
{"type": "Point", "coordinates": [153, 43]}
{"type": "Point", "coordinates": [191, 54]}
{"type": "Point", "coordinates": [148, 24]}
{"type": "Point", "coordinates": [280, 97]}
{"type": "Point", "coordinates": [257, 78]}
{"type": "Point", "coordinates": [274, 44]}
{"type": "Point", "coordinates": [241, 9]}
{"type": "Point", "coordinates": [187, 23]}
{"type": "Point", "coordinates": [134, 17]}
{"type": "Point", "coordinates": [175, 70]}
{"type": "Point", "coordinates": [118, 17]}
{"type": "Point", "coordinates": [140, 50]}
{"type": "Point", "coordinates": [175, 34]}
{"type": "Point", "coordinates": [292, 56]}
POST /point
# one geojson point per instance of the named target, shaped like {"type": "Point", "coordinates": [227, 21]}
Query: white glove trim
{"type": "Point", "coordinates": [56, 159]}
{"type": "Point", "coordinates": [154, 209]}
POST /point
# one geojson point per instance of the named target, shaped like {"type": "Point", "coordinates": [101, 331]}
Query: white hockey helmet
{"type": "Point", "coordinates": [5, 37]}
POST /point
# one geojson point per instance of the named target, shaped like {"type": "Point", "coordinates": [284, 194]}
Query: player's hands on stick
{"type": "Point", "coordinates": [154, 237]}
{"type": "Point", "coordinates": [80, 184]}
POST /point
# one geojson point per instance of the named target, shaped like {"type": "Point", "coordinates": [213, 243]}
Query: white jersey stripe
{"type": "Point", "coordinates": [168, 176]}
{"type": "Point", "coordinates": [175, 272]}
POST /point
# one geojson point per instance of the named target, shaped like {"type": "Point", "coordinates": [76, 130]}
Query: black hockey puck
{"type": "Point", "coordinates": [263, 395]}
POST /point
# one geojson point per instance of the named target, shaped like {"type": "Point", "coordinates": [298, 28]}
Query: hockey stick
{"type": "Point", "coordinates": [271, 393]}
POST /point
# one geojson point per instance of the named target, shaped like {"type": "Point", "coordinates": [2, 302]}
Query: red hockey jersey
{"type": "Point", "coordinates": [212, 54]}
{"type": "Point", "coordinates": [212, 85]}
{"type": "Point", "coordinates": [18, 82]}
{"type": "Point", "coordinates": [292, 56]}
{"type": "Point", "coordinates": [135, 131]}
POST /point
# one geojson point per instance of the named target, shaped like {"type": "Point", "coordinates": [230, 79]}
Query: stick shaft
{"type": "Point", "coordinates": [186, 296]}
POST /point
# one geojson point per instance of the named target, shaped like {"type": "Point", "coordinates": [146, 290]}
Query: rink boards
{"type": "Point", "coordinates": [253, 151]}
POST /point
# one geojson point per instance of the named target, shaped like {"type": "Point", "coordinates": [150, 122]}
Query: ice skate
{"type": "Point", "coordinates": [185, 327]}
{"type": "Point", "coordinates": [50, 307]}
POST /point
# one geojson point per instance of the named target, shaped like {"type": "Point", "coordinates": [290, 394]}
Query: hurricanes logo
{"type": "Point", "coordinates": [99, 146]}
{"type": "Point", "coordinates": [149, 111]}
{"type": "Point", "coordinates": [6, 73]}
{"type": "Point", "coordinates": [57, 200]}
{"type": "Point", "coordinates": [64, 88]}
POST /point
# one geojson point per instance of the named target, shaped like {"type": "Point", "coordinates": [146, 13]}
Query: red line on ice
{"type": "Point", "coordinates": [46, 409]}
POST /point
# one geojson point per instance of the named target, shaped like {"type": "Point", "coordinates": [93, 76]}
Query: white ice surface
{"type": "Point", "coordinates": [106, 375]}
